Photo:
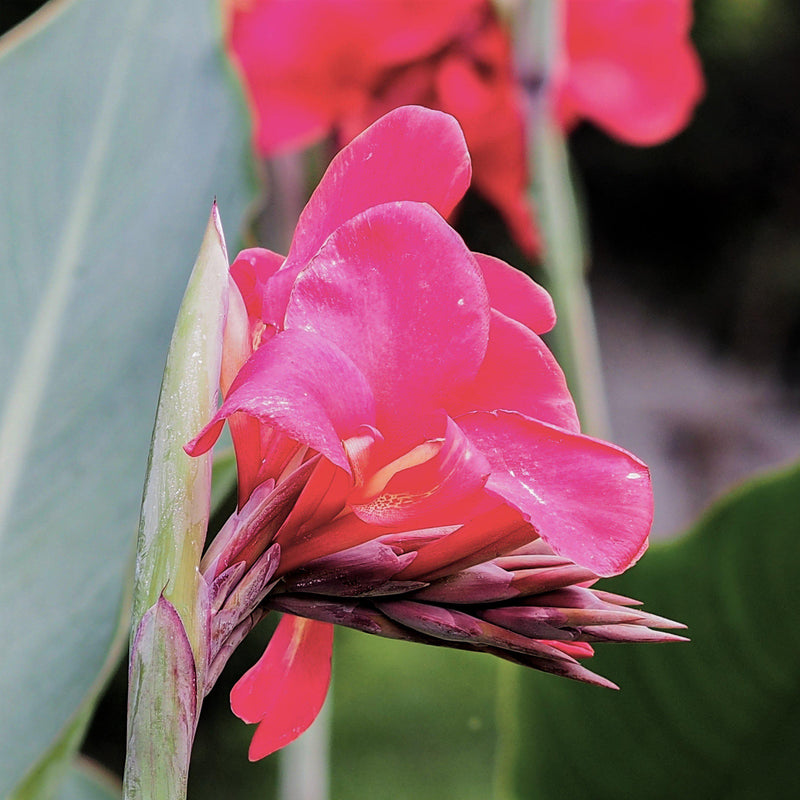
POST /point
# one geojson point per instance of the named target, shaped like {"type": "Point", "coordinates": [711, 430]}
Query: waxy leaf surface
{"type": "Point", "coordinates": [118, 128]}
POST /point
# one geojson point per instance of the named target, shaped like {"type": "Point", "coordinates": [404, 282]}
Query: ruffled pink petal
{"type": "Point", "coordinates": [519, 373]}
{"type": "Point", "coordinates": [397, 290]}
{"type": "Point", "coordinates": [252, 270]}
{"type": "Point", "coordinates": [411, 153]}
{"type": "Point", "coordinates": [514, 294]}
{"type": "Point", "coordinates": [284, 691]}
{"type": "Point", "coordinates": [303, 386]}
{"type": "Point", "coordinates": [437, 483]}
{"type": "Point", "coordinates": [630, 68]}
{"type": "Point", "coordinates": [589, 500]}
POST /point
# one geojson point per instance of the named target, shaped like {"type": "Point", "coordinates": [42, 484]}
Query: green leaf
{"type": "Point", "coordinates": [58, 762]}
{"type": "Point", "coordinates": [119, 126]}
{"type": "Point", "coordinates": [88, 781]}
{"type": "Point", "coordinates": [713, 718]}
{"type": "Point", "coordinates": [411, 722]}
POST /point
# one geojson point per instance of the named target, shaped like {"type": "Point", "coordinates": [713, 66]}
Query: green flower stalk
{"type": "Point", "coordinates": [167, 669]}
{"type": "Point", "coordinates": [565, 259]}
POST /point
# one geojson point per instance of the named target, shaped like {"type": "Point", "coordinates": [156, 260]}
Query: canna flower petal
{"type": "Point", "coordinates": [252, 270]}
{"type": "Point", "coordinates": [629, 67]}
{"type": "Point", "coordinates": [307, 65]}
{"type": "Point", "coordinates": [409, 457]}
{"type": "Point", "coordinates": [437, 483]}
{"type": "Point", "coordinates": [491, 532]}
{"type": "Point", "coordinates": [514, 294]}
{"type": "Point", "coordinates": [519, 372]}
{"type": "Point", "coordinates": [394, 288]}
{"type": "Point", "coordinates": [419, 155]}
{"type": "Point", "coordinates": [286, 688]}
{"type": "Point", "coordinates": [303, 386]}
{"type": "Point", "coordinates": [589, 500]}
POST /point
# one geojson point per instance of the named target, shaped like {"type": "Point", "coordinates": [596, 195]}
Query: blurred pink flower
{"type": "Point", "coordinates": [628, 66]}
{"type": "Point", "coordinates": [410, 461]}
{"type": "Point", "coordinates": [315, 66]}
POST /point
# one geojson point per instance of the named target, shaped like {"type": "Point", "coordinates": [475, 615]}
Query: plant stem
{"type": "Point", "coordinates": [574, 338]}
{"type": "Point", "coordinates": [169, 631]}
{"type": "Point", "coordinates": [507, 721]}
{"type": "Point", "coordinates": [565, 260]}
{"type": "Point", "coordinates": [303, 769]}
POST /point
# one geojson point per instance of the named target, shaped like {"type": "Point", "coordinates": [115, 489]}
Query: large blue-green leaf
{"type": "Point", "coordinates": [715, 718]}
{"type": "Point", "coordinates": [86, 781]}
{"type": "Point", "coordinates": [119, 125]}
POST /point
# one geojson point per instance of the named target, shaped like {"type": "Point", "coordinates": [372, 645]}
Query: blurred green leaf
{"type": "Point", "coordinates": [58, 763]}
{"type": "Point", "coordinates": [119, 126]}
{"type": "Point", "coordinates": [87, 781]}
{"type": "Point", "coordinates": [411, 722]}
{"type": "Point", "coordinates": [714, 718]}
{"type": "Point", "coordinates": [223, 478]}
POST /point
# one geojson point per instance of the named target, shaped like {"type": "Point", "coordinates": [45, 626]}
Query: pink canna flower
{"type": "Point", "coordinates": [410, 461]}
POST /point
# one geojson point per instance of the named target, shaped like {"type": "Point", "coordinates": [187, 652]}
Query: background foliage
{"type": "Point", "coordinates": [114, 147]}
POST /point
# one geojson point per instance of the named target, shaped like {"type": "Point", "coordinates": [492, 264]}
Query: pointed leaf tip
{"type": "Point", "coordinates": [216, 221]}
